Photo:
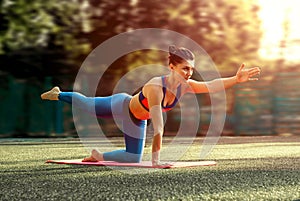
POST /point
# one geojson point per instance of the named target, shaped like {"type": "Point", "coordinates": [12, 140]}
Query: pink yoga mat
{"type": "Point", "coordinates": [143, 164]}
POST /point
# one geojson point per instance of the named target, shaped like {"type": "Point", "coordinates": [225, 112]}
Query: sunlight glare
{"type": "Point", "coordinates": [273, 14]}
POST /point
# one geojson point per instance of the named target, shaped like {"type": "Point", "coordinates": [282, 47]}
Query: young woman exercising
{"type": "Point", "coordinates": [158, 95]}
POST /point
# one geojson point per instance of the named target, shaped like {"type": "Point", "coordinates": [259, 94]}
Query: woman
{"type": "Point", "coordinates": [158, 95]}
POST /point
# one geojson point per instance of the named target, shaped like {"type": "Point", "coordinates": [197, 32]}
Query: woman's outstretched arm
{"type": "Point", "coordinates": [242, 75]}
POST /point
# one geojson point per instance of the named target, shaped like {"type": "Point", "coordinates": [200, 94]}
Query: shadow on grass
{"type": "Point", "coordinates": [94, 183]}
{"type": "Point", "coordinates": [273, 163]}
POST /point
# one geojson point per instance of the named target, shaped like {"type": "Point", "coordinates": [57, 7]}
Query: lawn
{"type": "Point", "coordinates": [248, 168]}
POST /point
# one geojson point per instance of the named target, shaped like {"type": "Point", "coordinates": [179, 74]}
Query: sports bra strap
{"type": "Point", "coordinates": [178, 94]}
{"type": "Point", "coordinates": [144, 102]}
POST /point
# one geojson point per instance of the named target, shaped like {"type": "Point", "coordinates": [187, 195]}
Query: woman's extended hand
{"type": "Point", "coordinates": [244, 75]}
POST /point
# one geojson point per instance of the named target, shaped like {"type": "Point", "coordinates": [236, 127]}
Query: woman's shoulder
{"type": "Point", "coordinates": [154, 85]}
{"type": "Point", "coordinates": [154, 81]}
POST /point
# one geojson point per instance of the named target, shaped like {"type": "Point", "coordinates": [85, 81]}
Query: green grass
{"type": "Point", "coordinates": [248, 168]}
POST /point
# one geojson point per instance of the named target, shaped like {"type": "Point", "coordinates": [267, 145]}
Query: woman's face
{"type": "Point", "coordinates": [184, 69]}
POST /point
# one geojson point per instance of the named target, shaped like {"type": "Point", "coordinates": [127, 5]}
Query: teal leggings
{"type": "Point", "coordinates": [114, 106]}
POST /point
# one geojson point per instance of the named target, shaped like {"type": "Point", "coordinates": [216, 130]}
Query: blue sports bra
{"type": "Point", "coordinates": [144, 102]}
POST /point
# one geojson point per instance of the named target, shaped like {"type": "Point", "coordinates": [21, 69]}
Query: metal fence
{"type": "Point", "coordinates": [286, 103]}
{"type": "Point", "coordinates": [269, 106]}
{"type": "Point", "coordinates": [266, 107]}
{"type": "Point", "coordinates": [253, 109]}
{"type": "Point", "coordinates": [23, 113]}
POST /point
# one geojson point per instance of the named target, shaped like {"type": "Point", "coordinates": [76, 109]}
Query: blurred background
{"type": "Point", "coordinates": [43, 44]}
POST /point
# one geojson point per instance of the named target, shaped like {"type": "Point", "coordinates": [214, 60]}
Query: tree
{"type": "Point", "coordinates": [227, 29]}
{"type": "Point", "coordinates": [41, 38]}
{"type": "Point", "coordinates": [60, 33]}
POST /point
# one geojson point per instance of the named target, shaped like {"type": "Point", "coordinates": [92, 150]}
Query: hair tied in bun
{"type": "Point", "coordinates": [172, 49]}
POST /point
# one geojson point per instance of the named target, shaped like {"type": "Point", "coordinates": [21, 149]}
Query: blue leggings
{"type": "Point", "coordinates": [114, 106]}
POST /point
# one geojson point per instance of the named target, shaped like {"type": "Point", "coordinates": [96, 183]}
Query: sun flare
{"type": "Point", "coordinates": [274, 14]}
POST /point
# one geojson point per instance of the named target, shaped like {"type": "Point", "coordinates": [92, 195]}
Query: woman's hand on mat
{"type": "Point", "coordinates": [155, 158]}
{"type": "Point", "coordinates": [158, 164]}
{"type": "Point", "coordinates": [244, 75]}
{"type": "Point", "coordinates": [156, 161]}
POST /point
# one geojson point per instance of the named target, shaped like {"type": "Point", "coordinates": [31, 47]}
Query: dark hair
{"type": "Point", "coordinates": [179, 55]}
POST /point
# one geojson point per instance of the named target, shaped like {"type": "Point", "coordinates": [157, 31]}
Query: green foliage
{"type": "Point", "coordinates": [39, 24]}
{"type": "Point", "coordinates": [40, 38]}
{"type": "Point", "coordinates": [108, 18]}
{"type": "Point", "coordinates": [66, 31]}
{"type": "Point", "coordinates": [228, 30]}
{"type": "Point", "coordinates": [221, 28]}
{"type": "Point", "coordinates": [234, 32]}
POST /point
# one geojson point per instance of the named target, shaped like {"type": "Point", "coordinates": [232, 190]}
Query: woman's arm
{"type": "Point", "coordinates": [154, 95]}
{"type": "Point", "coordinates": [242, 75]}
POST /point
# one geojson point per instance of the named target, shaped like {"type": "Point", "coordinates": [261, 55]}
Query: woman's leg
{"type": "Point", "coordinates": [100, 106]}
{"type": "Point", "coordinates": [113, 106]}
{"type": "Point", "coordinates": [135, 136]}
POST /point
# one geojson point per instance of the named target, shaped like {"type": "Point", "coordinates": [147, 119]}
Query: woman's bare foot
{"type": "Point", "coordinates": [89, 159]}
{"type": "Point", "coordinates": [95, 157]}
{"type": "Point", "coordinates": [52, 94]}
